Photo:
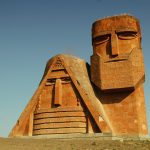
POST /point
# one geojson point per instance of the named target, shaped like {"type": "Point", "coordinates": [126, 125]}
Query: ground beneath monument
{"type": "Point", "coordinates": [73, 144]}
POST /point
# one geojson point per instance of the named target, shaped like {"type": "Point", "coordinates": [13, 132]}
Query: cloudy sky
{"type": "Point", "coordinates": [32, 31]}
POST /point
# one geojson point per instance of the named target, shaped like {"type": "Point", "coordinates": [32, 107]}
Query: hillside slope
{"type": "Point", "coordinates": [73, 144]}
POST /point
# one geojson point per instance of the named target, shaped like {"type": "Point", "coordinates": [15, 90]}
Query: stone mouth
{"type": "Point", "coordinates": [116, 60]}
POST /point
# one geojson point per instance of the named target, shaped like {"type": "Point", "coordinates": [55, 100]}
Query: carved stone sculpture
{"type": "Point", "coordinates": [63, 103]}
{"type": "Point", "coordinates": [117, 69]}
{"type": "Point", "coordinates": [67, 102]}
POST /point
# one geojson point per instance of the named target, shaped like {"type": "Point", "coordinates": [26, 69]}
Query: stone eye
{"type": "Point", "coordinates": [53, 80]}
{"type": "Point", "coordinates": [127, 35]}
{"type": "Point", "coordinates": [65, 79]}
{"type": "Point", "coordinates": [101, 39]}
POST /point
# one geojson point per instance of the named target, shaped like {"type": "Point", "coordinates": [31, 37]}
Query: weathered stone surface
{"type": "Point", "coordinates": [66, 101]}
{"type": "Point", "coordinates": [117, 60]}
{"type": "Point", "coordinates": [117, 70]}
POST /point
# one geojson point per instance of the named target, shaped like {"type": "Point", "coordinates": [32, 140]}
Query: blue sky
{"type": "Point", "coordinates": [32, 31]}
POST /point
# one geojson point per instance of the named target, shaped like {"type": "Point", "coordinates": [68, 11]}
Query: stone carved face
{"type": "Point", "coordinates": [117, 60]}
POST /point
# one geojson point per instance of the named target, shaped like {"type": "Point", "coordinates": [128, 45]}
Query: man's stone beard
{"type": "Point", "coordinates": [123, 72]}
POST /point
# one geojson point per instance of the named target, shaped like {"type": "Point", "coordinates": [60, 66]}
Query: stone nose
{"type": "Point", "coordinates": [114, 44]}
{"type": "Point", "coordinates": [58, 93]}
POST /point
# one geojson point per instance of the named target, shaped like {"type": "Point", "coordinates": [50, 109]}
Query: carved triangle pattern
{"type": "Point", "coordinates": [58, 64]}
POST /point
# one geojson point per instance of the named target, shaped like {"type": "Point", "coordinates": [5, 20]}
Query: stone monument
{"type": "Point", "coordinates": [117, 70]}
{"type": "Point", "coordinates": [106, 97]}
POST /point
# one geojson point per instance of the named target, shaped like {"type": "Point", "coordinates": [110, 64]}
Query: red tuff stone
{"type": "Point", "coordinates": [66, 102]}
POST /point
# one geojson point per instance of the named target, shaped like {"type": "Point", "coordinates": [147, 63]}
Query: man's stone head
{"type": "Point", "coordinates": [117, 61]}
